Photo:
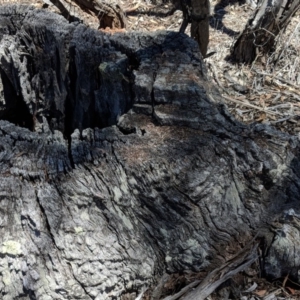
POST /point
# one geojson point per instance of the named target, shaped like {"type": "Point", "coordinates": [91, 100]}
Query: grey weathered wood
{"type": "Point", "coordinates": [259, 35]}
{"type": "Point", "coordinates": [119, 163]}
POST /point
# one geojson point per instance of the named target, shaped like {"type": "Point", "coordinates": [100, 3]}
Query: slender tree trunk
{"type": "Point", "coordinates": [200, 23]}
{"type": "Point", "coordinates": [197, 13]}
{"type": "Point", "coordinates": [259, 35]}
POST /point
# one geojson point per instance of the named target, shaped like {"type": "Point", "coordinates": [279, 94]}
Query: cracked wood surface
{"type": "Point", "coordinates": [119, 163]}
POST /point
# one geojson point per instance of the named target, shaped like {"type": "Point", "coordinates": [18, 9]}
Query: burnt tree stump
{"type": "Point", "coordinates": [120, 163]}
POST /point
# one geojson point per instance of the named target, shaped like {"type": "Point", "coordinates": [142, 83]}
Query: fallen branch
{"type": "Point", "coordinates": [239, 263]}
{"type": "Point", "coordinates": [282, 120]}
{"type": "Point", "coordinates": [214, 72]}
{"type": "Point", "coordinates": [252, 106]}
{"type": "Point", "coordinates": [183, 291]}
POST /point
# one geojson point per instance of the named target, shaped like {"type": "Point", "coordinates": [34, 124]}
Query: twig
{"type": "Point", "coordinates": [132, 9]}
{"type": "Point", "coordinates": [293, 282]}
{"type": "Point", "coordinates": [285, 280]}
{"type": "Point", "coordinates": [252, 106]}
{"type": "Point", "coordinates": [284, 105]}
{"type": "Point", "coordinates": [287, 44]}
{"type": "Point", "coordinates": [156, 294]}
{"type": "Point", "coordinates": [282, 85]}
{"type": "Point", "coordinates": [238, 263]}
{"type": "Point", "coordinates": [282, 120]}
{"type": "Point", "coordinates": [140, 296]}
{"type": "Point", "coordinates": [276, 98]}
{"type": "Point", "coordinates": [212, 68]}
{"type": "Point", "coordinates": [288, 82]}
{"type": "Point", "coordinates": [291, 94]}
{"type": "Point", "coordinates": [272, 76]}
{"type": "Point", "coordinates": [183, 291]}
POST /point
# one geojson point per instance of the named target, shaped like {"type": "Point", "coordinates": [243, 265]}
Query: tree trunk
{"type": "Point", "coordinates": [119, 163]}
{"type": "Point", "coordinates": [197, 13]}
{"type": "Point", "coordinates": [200, 23]}
{"type": "Point", "coordinates": [259, 35]}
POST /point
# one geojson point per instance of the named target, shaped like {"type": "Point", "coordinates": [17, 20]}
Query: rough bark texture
{"type": "Point", "coordinates": [260, 33]}
{"type": "Point", "coordinates": [177, 184]}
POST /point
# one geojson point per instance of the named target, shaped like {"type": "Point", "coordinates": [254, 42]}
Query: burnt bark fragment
{"type": "Point", "coordinates": [132, 168]}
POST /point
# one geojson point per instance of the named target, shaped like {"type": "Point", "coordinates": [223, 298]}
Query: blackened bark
{"type": "Point", "coordinates": [126, 165]}
{"type": "Point", "coordinates": [260, 33]}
